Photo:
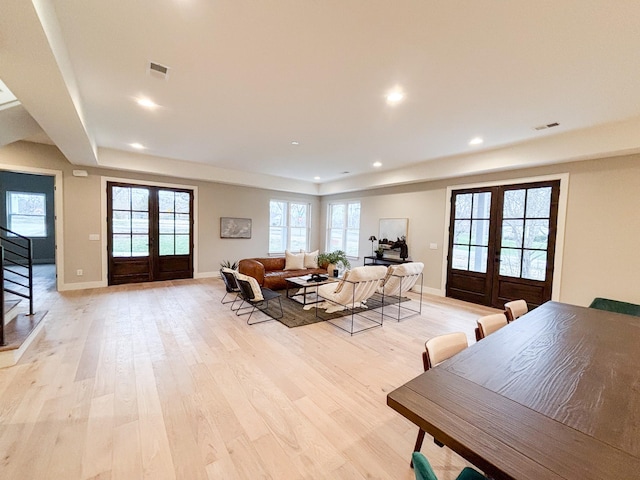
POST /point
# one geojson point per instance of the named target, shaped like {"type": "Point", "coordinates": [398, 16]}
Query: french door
{"type": "Point", "coordinates": [150, 233]}
{"type": "Point", "coordinates": [502, 243]}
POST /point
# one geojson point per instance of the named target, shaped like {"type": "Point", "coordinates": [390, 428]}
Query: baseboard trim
{"type": "Point", "coordinates": [82, 286]}
{"type": "Point", "coordinates": [215, 274]}
{"type": "Point", "coordinates": [428, 290]}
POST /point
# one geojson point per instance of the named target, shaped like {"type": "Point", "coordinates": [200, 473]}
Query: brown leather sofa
{"type": "Point", "coordinates": [270, 272]}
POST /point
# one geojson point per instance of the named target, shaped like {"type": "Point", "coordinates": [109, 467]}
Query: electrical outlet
{"type": "Point", "coordinates": [79, 272]}
{"type": "Point", "coordinates": [433, 246]}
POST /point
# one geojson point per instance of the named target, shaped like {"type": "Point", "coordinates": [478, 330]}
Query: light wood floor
{"type": "Point", "coordinates": [163, 381]}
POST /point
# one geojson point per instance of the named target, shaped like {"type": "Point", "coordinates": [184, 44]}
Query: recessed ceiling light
{"type": "Point", "coordinates": [476, 141]}
{"type": "Point", "coordinates": [147, 103]}
{"type": "Point", "coordinates": [137, 146]}
{"type": "Point", "coordinates": [377, 164]}
{"type": "Point", "coordinates": [395, 96]}
{"type": "Point", "coordinates": [316, 178]}
{"type": "Point", "coordinates": [295, 143]}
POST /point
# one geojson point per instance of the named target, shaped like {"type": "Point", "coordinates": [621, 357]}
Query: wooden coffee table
{"type": "Point", "coordinates": [309, 294]}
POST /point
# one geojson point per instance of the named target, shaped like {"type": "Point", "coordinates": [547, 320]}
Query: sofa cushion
{"type": "Point", "coordinates": [293, 261]}
{"type": "Point", "coordinates": [272, 263]}
{"type": "Point", "coordinates": [311, 259]}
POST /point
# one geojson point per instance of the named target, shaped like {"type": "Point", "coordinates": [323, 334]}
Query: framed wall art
{"type": "Point", "coordinates": [231, 227]}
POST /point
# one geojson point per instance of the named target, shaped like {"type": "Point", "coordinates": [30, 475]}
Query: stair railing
{"type": "Point", "coordinates": [2, 297]}
{"type": "Point", "coordinates": [18, 263]}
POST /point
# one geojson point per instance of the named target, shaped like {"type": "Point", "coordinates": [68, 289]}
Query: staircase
{"type": "Point", "coordinates": [17, 330]}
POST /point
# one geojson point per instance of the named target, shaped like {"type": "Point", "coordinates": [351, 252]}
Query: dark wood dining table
{"type": "Point", "coordinates": [553, 395]}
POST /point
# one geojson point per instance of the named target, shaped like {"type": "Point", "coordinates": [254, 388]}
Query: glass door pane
{"type": "Point", "coordinates": [525, 233]}
{"type": "Point", "coordinates": [174, 223]}
{"type": "Point", "coordinates": [471, 231]}
{"type": "Point", "coordinates": [130, 222]}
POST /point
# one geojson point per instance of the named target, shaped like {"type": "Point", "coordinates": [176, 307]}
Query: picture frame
{"type": "Point", "coordinates": [393, 228]}
{"type": "Point", "coordinates": [233, 227]}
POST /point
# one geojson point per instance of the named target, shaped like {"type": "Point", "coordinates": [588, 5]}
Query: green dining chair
{"type": "Point", "coordinates": [424, 471]}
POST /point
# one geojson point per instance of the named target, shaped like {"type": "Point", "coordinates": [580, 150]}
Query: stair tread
{"type": "Point", "coordinates": [18, 330]}
{"type": "Point", "coordinates": [10, 305]}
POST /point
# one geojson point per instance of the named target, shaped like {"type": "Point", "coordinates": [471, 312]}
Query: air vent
{"type": "Point", "coordinates": [548, 125]}
{"type": "Point", "coordinates": [158, 71]}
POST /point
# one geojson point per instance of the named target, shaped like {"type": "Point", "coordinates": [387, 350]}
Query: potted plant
{"type": "Point", "coordinates": [379, 252]}
{"type": "Point", "coordinates": [229, 264]}
{"type": "Point", "coordinates": [331, 260]}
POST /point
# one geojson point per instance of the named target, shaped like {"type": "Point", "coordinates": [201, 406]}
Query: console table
{"type": "Point", "coordinates": [373, 260]}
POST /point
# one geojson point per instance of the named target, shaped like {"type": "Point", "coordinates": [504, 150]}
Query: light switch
{"type": "Point", "coordinates": [94, 236]}
{"type": "Point", "coordinates": [433, 246]}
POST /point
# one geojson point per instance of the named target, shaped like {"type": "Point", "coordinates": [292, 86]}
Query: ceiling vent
{"type": "Point", "coordinates": [158, 71]}
{"type": "Point", "coordinates": [548, 125]}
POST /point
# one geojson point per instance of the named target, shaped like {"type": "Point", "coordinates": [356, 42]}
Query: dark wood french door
{"type": "Point", "coordinates": [150, 233]}
{"type": "Point", "coordinates": [502, 243]}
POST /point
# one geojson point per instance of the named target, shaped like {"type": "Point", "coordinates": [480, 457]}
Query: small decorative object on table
{"type": "Point", "coordinates": [372, 239]}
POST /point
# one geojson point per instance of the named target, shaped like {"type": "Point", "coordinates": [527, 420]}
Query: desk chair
{"type": "Point", "coordinates": [489, 324]}
{"type": "Point", "coordinates": [424, 471]}
{"type": "Point", "coordinates": [437, 350]}
{"type": "Point", "coordinates": [515, 309]}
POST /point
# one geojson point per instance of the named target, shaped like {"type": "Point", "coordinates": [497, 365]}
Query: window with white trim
{"type": "Point", "coordinates": [289, 226]}
{"type": "Point", "coordinates": [343, 232]}
{"type": "Point", "coordinates": [27, 213]}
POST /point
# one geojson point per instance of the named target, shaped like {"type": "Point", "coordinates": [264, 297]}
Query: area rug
{"type": "Point", "coordinates": [295, 316]}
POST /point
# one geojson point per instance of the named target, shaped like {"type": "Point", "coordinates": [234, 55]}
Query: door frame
{"type": "Point", "coordinates": [58, 211]}
{"type": "Point", "coordinates": [561, 222]}
{"type": "Point", "coordinates": [145, 183]}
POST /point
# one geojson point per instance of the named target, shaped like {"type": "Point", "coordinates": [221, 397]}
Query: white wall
{"type": "Point", "coordinates": [83, 207]}
{"type": "Point", "coordinates": [601, 237]}
{"type": "Point", "coordinates": [602, 234]}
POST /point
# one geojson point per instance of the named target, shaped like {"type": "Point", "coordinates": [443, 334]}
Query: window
{"type": "Point", "coordinates": [288, 226]}
{"type": "Point", "coordinates": [344, 228]}
{"type": "Point", "coordinates": [27, 213]}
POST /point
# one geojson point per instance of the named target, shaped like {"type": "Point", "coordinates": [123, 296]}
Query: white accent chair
{"type": "Point", "coordinates": [397, 282]}
{"type": "Point", "coordinates": [515, 309]}
{"type": "Point", "coordinates": [352, 292]}
{"type": "Point", "coordinates": [489, 324]}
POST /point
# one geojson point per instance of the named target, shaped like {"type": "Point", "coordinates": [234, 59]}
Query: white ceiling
{"type": "Point", "coordinates": [248, 77]}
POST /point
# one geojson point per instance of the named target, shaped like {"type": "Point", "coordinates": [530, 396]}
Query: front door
{"type": "Point", "coordinates": [150, 231]}
{"type": "Point", "coordinates": [502, 243]}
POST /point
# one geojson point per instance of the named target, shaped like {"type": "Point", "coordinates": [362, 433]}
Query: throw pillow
{"type": "Point", "coordinates": [255, 286]}
{"type": "Point", "coordinates": [293, 261]}
{"type": "Point", "coordinates": [311, 259]}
